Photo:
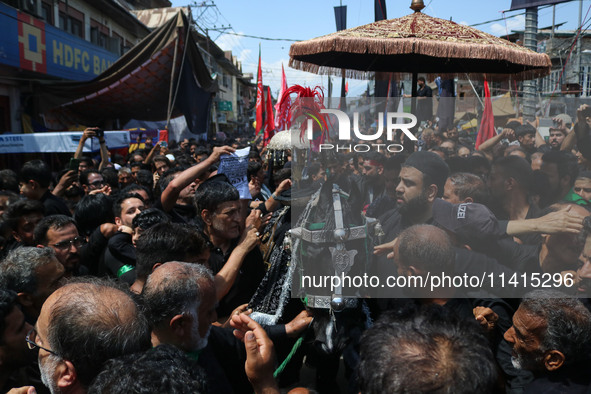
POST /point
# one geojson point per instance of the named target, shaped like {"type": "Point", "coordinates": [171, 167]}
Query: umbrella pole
{"type": "Point", "coordinates": [413, 100]}
{"type": "Point", "coordinates": [409, 145]}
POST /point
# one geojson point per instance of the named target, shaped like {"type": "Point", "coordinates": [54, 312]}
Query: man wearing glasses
{"type": "Point", "coordinates": [81, 326]}
{"type": "Point", "coordinates": [60, 233]}
{"type": "Point", "coordinates": [92, 182]}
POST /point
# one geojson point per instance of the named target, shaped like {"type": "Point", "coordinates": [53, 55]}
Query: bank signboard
{"type": "Point", "coordinates": [30, 44]}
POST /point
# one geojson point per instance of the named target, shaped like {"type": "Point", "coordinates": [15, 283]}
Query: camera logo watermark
{"type": "Point", "coordinates": [394, 121]}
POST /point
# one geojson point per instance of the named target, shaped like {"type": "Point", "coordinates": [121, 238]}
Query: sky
{"type": "Point", "coordinates": [306, 19]}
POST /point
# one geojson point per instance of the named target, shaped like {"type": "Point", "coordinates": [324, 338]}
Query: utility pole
{"type": "Point", "coordinates": [579, 54]}
{"type": "Point", "coordinates": [531, 42]}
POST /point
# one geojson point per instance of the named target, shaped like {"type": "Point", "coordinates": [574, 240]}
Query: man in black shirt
{"type": "Point", "coordinates": [35, 179]}
{"type": "Point", "coordinates": [551, 336]}
{"type": "Point", "coordinates": [222, 223]}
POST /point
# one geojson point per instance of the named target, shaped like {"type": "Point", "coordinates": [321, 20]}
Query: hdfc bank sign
{"type": "Point", "coordinates": [394, 121]}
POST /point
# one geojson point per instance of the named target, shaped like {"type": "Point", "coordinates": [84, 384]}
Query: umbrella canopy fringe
{"type": "Point", "coordinates": [433, 48]}
{"type": "Point", "coordinates": [367, 75]}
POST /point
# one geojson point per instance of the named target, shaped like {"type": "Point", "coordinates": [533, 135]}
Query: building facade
{"type": "Point", "coordinates": [72, 40]}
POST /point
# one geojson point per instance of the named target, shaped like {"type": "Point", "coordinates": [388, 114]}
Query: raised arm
{"type": "Point", "coordinates": [86, 134]}
{"type": "Point", "coordinates": [171, 193]}
{"type": "Point", "coordinates": [104, 153]}
{"type": "Point", "coordinates": [491, 142]}
{"type": "Point", "coordinates": [152, 153]}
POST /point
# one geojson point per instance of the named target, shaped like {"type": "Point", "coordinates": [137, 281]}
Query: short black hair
{"type": "Point", "coordinates": [517, 168]}
{"type": "Point", "coordinates": [121, 199]}
{"type": "Point", "coordinates": [50, 222]}
{"type": "Point", "coordinates": [20, 208]}
{"type": "Point", "coordinates": [111, 177]}
{"type": "Point", "coordinates": [201, 150]}
{"type": "Point", "coordinates": [167, 177]}
{"type": "Point", "coordinates": [148, 218]}
{"type": "Point", "coordinates": [36, 170]}
{"type": "Point", "coordinates": [161, 158]}
{"type": "Point", "coordinates": [166, 242]}
{"type": "Point", "coordinates": [476, 161]}
{"type": "Point", "coordinates": [134, 187]}
{"type": "Point", "coordinates": [393, 163]}
{"type": "Point", "coordinates": [83, 178]}
{"type": "Point", "coordinates": [9, 180]}
{"type": "Point", "coordinates": [566, 164]}
{"type": "Point", "coordinates": [429, 351]}
{"type": "Point", "coordinates": [524, 129]}
{"type": "Point", "coordinates": [145, 178]}
{"type": "Point", "coordinates": [513, 125]}
{"type": "Point", "coordinates": [88, 161]}
{"type": "Point", "coordinates": [210, 195]}
{"type": "Point", "coordinates": [253, 168]}
{"type": "Point", "coordinates": [163, 369]}
{"type": "Point", "coordinates": [92, 211]}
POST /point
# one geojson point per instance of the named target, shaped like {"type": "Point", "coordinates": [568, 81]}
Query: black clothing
{"type": "Point", "coordinates": [179, 213]}
{"type": "Point", "coordinates": [120, 257]}
{"type": "Point", "coordinates": [250, 275]}
{"type": "Point", "coordinates": [54, 205]}
{"type": "Point", "coordinates": [516, 379]}
{"type": "Point", "coordinates": [91, 253]}
{"type": "Point", "coordinates": [224, 356]}
{"type": "Point", "coordinates": [529, 239]}
{"type": "Point", "coordinates": [569, 379]}
{"type": "Point", "coordinates": [371, 189]}
{"type": "Point", "coordinates": [380, 206]}
{"type": "Point", "coordinates": [425, 105]}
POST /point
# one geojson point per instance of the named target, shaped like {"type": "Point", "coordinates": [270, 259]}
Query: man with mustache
{"type": "Point", "coordinates": [551, 337]}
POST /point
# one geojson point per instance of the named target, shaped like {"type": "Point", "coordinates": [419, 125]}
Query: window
{"type": "Point", "coordinates": [47, 13]}
{"type": "Point", "coordinates": [71, 25]}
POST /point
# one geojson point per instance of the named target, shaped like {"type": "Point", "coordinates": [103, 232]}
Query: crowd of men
{"type": "Point", "coordinates": [136, 274]}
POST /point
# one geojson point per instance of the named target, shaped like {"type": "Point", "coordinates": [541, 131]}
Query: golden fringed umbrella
{"type": "Point", "coordinates": [417, 43]}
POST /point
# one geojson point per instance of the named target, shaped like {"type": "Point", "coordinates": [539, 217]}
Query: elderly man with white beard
{"type": "Point", "coordinates": [551, 337]}
{"type": "Point", "coordinates": [180, 301]}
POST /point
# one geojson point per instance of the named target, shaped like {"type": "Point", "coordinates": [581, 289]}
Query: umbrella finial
{"type": "Point", "coordinates": [417, 5]}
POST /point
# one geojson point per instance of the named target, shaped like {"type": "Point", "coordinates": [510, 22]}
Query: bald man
{"type": "Point", "coordinates": [80, 327]}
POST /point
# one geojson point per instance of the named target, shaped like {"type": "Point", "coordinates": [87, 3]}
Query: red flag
{"type": "Point", "coordinates": [260, 104]}
{"type": "Point", "coordinates": [281, 118]}
{"type": "Point", "coordinates": [487, 125]}
{"type": "Point", "coordinates": [270, 123]}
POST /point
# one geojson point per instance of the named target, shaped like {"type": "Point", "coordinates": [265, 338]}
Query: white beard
{"type": "Point", "coordinates": [47, 370]}
{"type": "Point", "coordinates": [197, 342]}
{"type": "Point", "coordinates": [202, 342]}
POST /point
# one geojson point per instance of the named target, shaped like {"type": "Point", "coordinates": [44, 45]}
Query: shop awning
{"type": "Point", "coordinates": [161, 77]}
